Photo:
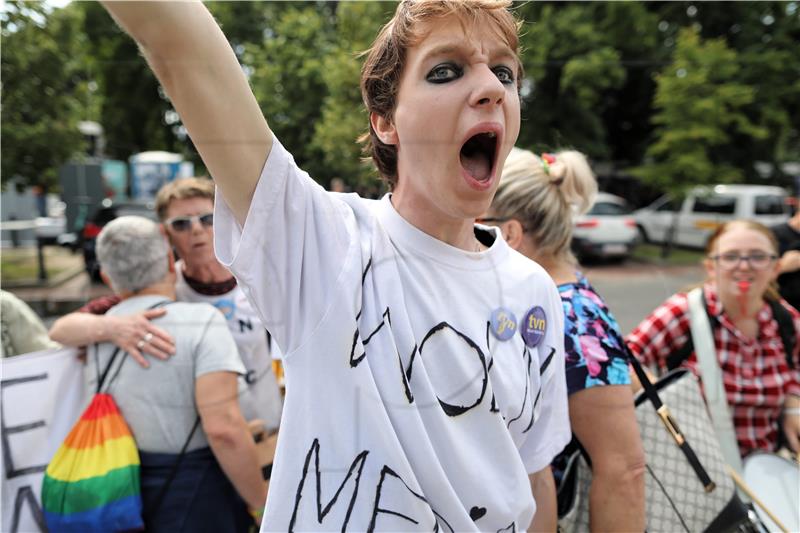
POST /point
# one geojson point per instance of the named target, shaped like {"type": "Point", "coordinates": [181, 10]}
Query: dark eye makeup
{"type": "Point", "coordinates": [444, 72]}
{"type": "Point", "coordinates": [504, 74]}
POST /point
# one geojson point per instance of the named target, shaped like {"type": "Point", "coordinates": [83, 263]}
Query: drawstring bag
{"type": "Point", "coordinates": [92, 482]}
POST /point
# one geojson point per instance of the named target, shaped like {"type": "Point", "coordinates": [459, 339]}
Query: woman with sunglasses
{"type": "Point", "coordinates": [186, 209]}
{"type": "Point", "coordinates": [534, 208]}
{"type": "Point", "coordinates": [763, 391]}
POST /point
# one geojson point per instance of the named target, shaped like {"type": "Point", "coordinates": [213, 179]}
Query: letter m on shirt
{"type": "Point", "coordinates": [300, 519]}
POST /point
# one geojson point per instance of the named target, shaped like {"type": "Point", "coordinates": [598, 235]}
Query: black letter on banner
{"type": "Point", "coordinates": [26, 494]}
{"type": "Point", "coordinates": [8, 462]}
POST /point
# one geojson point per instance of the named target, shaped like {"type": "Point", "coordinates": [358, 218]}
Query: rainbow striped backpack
{"type": "Point", "coordinates": [92, 482]}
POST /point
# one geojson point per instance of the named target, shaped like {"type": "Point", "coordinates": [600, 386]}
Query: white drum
{"type": "Point", "coordinates": [776, 482]}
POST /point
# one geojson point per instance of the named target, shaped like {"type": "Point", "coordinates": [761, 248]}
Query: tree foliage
{"type": "Point", "coordinates": [580, 58]}
{"type": "Point", "coordinates": [344, 117]}
{"type": "Point", "coordinates": [45, 92]}
{"type": "Point", "coordinates": [288, 80]}
{"type": "Point", "coordinates": [133, 108]}
{"type": "Point", "coordinates": [700, 105]}
{"type": "Point", "coordinates": [602, 77]}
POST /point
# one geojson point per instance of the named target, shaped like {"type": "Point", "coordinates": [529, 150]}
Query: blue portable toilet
{"type": "Point", "coordinates": [151, 170]}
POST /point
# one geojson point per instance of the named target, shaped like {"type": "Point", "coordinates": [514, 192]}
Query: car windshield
{"type": "Point", "coordinates": [608, 208]}
{"type": "Point", "coordinates": [725, 205]}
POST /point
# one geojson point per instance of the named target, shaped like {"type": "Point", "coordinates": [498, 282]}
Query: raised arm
{"type": "Point", "coordinates": [192, 59]}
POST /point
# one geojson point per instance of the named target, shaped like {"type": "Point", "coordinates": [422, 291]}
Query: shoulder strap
{"type": "Point", "coordinates": [677, 357]}
{"type": "Point", "coordinates": [786, 329]}
{"type": "Point", "coordinates": [670, 424]}
{"type": "Point", "coordinates": [101, 378]}
{"type": "Point", "coordinates": [711, 374]}
{"type": "Point", "coordinates": [171, 477]}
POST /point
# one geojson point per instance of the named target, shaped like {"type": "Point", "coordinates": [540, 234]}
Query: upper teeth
{"type": "Point", "coordinates": [491, 134]}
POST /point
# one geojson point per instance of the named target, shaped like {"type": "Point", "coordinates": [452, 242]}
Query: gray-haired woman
{"type": "Point", "coordinates": [164, 403]}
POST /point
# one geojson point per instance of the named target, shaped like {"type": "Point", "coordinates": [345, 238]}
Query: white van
{"type": "Point", "coordinates": [705, 208]}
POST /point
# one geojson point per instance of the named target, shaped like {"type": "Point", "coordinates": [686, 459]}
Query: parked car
{"type": "Point", "coordinates": [607, 230]}
{"type": "Point", "coordinates": [105, 213]}
{"type": "Point", "coordinates": [705, 208]}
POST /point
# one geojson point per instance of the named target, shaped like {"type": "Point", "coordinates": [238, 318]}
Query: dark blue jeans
{"type": "Point", "coordinates": [200, 497]}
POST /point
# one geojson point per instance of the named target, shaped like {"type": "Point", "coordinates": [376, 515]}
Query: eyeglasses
{"type": "Point", "coordinates": [185, 223]}
{"type": "Point", "coordinates": [756, 260]}
{"type": "Point", "coordinates": [490, 220]}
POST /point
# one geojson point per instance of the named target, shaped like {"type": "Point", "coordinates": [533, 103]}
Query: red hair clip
{"type": "Point", "coordinates": [547, 160]}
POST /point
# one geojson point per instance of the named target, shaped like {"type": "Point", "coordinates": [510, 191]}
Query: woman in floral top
{"type": "Point", "coordinates": [592, 339]}
{"type": "Point", "coordinates": [533, 208]}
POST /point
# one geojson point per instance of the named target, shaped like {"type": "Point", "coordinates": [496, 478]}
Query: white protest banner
{"type": "Point", "coordinates": [41, 397]}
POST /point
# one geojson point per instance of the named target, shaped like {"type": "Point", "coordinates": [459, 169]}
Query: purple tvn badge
{"type": "Point", "coordinates": [533, 326]}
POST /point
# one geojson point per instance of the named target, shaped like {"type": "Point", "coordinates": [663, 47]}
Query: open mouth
{"type": "Point", "coordinates": [478, 155]}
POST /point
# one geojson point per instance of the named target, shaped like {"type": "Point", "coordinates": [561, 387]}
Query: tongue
{"type": "Point", "coordinates": [477, 164]}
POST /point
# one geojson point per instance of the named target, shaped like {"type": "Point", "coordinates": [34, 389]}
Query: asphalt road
{"type": "Point", "coordinates": [632, 290]}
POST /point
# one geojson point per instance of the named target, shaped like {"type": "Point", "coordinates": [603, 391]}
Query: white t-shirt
{"type": "Point", "coordinates": [260, 395]}
{"type": "Point", "coordinates": [403, 412]}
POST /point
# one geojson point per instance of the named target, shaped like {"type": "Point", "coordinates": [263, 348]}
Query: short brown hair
{"type": "Point", "coordinates": [386, 59]}
{"type": "Point", "coordinates": [182, 189]}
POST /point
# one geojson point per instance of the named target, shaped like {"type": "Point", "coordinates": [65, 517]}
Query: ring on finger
{"type": "Point", "coordinates": [140, 344]}
{"type": "Point", "coordinates": [147, 337]}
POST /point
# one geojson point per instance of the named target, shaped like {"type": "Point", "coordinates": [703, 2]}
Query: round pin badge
{"type": "Point", "coordinates": [503, 323]}
{"type": "Point", "coordinates": [533, 326]}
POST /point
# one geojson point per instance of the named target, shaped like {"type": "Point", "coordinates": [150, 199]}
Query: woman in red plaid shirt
{"type": "Point", "coordinates": [763, 391]}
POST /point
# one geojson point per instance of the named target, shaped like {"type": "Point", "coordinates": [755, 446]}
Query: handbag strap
{"type": "Point", "coordinates": [711, 374]}
{"type": "Point", "coordinates": [669, 422]}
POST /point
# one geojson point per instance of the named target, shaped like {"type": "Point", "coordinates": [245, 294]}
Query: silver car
{"type": "Point", "coordinates": [694, 218]}
{"type": "Point", "coordinates": [607, 231]}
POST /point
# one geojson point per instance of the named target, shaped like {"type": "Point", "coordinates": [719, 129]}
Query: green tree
{"type": "Point", "coordinates": [700, 107]}
{"type": "Point", "coordinates": [344, 117]}
{"type": "Point", "coordinates": [135, 113]}
{"type": "Point", "coordinates": [766, 38]}
{"type": "Point", "coordinates": [769, 54]}
{"type": "Point", "coordinates": [287, 79]}
{"type": "Point", "coordinates": [579, 59]}
{"type": "Point", "coordinates": [44, 93]}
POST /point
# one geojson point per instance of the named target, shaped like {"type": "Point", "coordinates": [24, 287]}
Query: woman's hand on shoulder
{"type": "Point", "coordinates": [138, 336]}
